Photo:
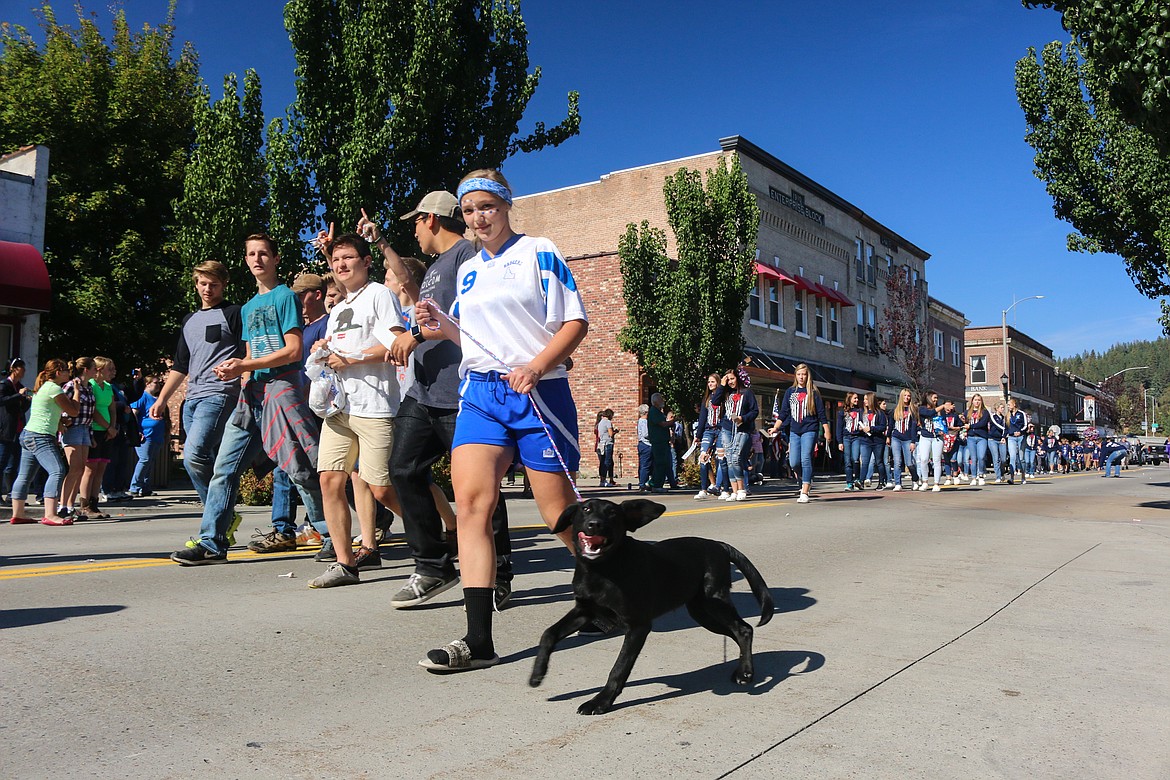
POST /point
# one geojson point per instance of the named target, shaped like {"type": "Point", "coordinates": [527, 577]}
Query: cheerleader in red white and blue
{"type": "Point", "coordinates": [904, 439]}
{"type": "Point", "coordinates": [518, 316]}
{"type": "Point", "coordinates": [978, 429]}
{"type": "Point", "coordinates": [1017, 427]}
{"type": "Point", "coordinates": [707, 434]}
{"type": "Point", "coordinates": [997, 442]}
{"type": "Point", "coordinates": [877, 418]}
{"type": "Point", "coordinates": [849, 437]}
{"type": "Point", "coordinates": [802, 411]}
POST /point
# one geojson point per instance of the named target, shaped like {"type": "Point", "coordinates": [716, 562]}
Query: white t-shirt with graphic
{"type": "Point", "coordinates": [367, 318]}
{"type": "Point", "coordinates": [513, 304]}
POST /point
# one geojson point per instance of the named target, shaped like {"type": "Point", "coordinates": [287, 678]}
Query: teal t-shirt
{"type": "Point", "coordinates": [45, 415]}
{"type": "Point", "coordinates": [654, 420]}
{"type": "Point", "coordinates": [266, 318]}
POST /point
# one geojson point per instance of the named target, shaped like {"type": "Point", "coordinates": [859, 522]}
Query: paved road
{"type": "Point", "coordinates": [1002, 632]}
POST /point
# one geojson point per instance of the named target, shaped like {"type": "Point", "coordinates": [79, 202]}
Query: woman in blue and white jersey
{"type": "Point", "coordinates": [904, 438]}
{"type": "Point", "coordinates": [802, 411]}
{"type": "Point", "coordinates": [978, 422]}
{"type": "Point", "coordinates": [520, 317]}
{"type": "Point", "coordinates": [997, 442]}
{"type": "Point", "coordinates": [707, 434]}
{"type": "Point", "coordinates": [930, 443]}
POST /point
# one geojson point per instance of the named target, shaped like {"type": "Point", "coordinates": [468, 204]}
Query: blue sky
{"type": "Point", "coordinates": [906, 108]}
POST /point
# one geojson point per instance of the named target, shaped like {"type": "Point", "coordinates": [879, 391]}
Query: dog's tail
{"type": "Point", "coordinates": [755, 580]}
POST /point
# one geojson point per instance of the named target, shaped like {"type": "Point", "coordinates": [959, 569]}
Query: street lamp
{"type": "Point", "coordinates": [1003, 381]}
{"type": "Point", "coordinates": [1122, 371]}
{"type": "Point", "coordinates": [1006, 379]}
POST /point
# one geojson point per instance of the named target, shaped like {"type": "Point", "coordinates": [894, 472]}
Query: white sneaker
{"type": "Point", "coordinates": [999, 480]}
{"type": "Point", "coordinates": [936, 488]}
{"type": "Point", "coordinates": [946, 481]}
{"type": "Point", "coordinates": [896, 488]}
{"type": "Point", "coordinates": [889, 486]}
{"type": "Point", "coordinates": [923, 487]}
{"type": "Point", "coordinates": [701, 495]}
{"type": "Point", "coordinates": [982, 481]}
{"type": "Point", "coordinates": [724, 496]}
{"type": "Point", "coordinates": [802, 498]}
{"type": "Point", "coordinates": [741, 495]}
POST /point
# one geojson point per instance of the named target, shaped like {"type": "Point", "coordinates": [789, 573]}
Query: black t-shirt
{"type": "Point", "coordinates": [436, 363]}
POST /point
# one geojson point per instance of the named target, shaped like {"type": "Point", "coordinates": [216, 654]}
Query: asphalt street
{"type": "Point", "coordinates": [995, 632]}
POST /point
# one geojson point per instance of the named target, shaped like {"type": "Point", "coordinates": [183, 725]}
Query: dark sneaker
{"type": "Point", "coordinates": [597, 627]}
{"type": "Point", "coordinates": [271, 542]}
{"type": "Point", "coordinates": [326, 554]}
{"type": "Point", "coordinates": [334, 576]}
{"type": "Point", "coordinates": [421, 588]}
{"type": "Point", "coordinates": [503, 595]}
{"type": "Point", "coordinates": [197, 556]}
{"type": "Point", "coordinates": [366, 559]}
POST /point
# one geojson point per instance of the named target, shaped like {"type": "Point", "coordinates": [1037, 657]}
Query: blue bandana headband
{"type": "Point", "coordinates": [485, 185]}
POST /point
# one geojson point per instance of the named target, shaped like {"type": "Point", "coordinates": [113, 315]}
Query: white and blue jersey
{"type": "Point", "coordinates": [514, 303]}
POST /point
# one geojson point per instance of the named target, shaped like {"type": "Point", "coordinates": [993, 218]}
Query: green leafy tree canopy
{"type": "Point", "coordinates": [117, 118]}
{"type": "Point", "coordinates": [399, 97]}
{"type": "Point", "coordinates": [684, 317]}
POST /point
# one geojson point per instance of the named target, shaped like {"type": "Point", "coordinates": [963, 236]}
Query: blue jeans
{"type": "Point", "coordinates": [9, 465]}
{"type": "Point", "coordinates": [645, 463]}
{"type": "Point", "coordinates": [1114, 463]}
{"type": "Point", "coordinates": [146, 451]}
{"type": "Point", "coordinates": [204, 420]}
{"type": "Point", "coordinates": [284, 505]}
{"type": "Point", "coordinates": [977, 450]}
{"type": "Point", "coordinates": [1053, 461]}
{"type": "Point", "coordinates": [800, 452]}
{"type": "Point", "coordinates": [998, 456]}
{"type": "Point", "coordinates": [851, 452]}
{"type": "Point", "coordinates": [1015, 446]}
{"type": "Point", "coordinates": [708, 441]}
{"type": "Point", "coordinates": [734, 444]}
{"type": "Point", "coordinates": [605, 464]}
{"type": "Point", "coordinates": [237, 450]}
{"type": "Point", "coordinates": [1030, 462]}
{"type": "Point", "coordinates": [877, 463]}
{"type": "Point", "coordinates": [903, 457]}
{"type": "Point", "coordinates": [37, 451]}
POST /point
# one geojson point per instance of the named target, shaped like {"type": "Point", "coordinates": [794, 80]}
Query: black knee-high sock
{"type": "Point", "coordinates": [479, 602]}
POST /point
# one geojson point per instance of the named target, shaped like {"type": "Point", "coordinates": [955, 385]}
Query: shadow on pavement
{"type": "Point", "coordinates": [15, 618]}
{"type": "Point", "coordinates": [52, 558]}
{"type": "Point", "coordinates": [772, 668]}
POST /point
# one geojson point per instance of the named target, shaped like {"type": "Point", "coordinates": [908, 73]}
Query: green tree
{"type": "Point", "coordinates": [399, 97]}
{"type": "Point", "coordinates": [1108, 178]}
{"type": "Point", "coordinates": [225, 187]}
{"type": "Point", "coordinates": [685, 317]}
{"type": "Point", "coordinates": [237, 184]}
{"type": "Point", "coordinates": [1129, 43]}
{"type": "Point", "coordinates": [117, 118]}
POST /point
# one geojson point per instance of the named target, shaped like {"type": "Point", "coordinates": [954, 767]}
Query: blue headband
{"type": "Point", "coordinates": [485, 185]}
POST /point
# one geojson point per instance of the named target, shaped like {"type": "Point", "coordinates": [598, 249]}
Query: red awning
{"type": "Point", "coordinates": [767, 271]}
{"type": "Point", "coordinates": [806, 284]}
{"type": "Point", "coordinates": [24, 279]}
{"type": "Point", "coordinates": [836, 295]}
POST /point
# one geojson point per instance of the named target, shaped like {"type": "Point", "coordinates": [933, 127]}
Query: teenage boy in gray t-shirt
{"type": "Point", "coordinates": [209, 336]}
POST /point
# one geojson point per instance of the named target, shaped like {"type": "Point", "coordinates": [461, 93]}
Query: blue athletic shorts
{"type": "Point", "coordinates": [491, 412]}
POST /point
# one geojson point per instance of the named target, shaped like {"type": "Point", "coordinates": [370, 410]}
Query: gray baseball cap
{"type": "Point", "coordinates": [439, 202]}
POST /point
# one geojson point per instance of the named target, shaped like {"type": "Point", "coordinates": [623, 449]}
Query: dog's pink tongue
{"type": "Point", "coordinates": [592, 541]}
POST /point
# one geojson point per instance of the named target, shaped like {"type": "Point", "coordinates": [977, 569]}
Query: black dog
{"type": "Point", "coordinates": [630, 582]}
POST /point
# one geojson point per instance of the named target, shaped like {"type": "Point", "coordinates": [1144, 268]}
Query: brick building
{"type": "Point", "coordinates": [1032, 370]}
{"type": "Point", "coordinates": [25, 291]}
{"type": "Point", "coordinates": [822, 265]}
{"type": "Point", "coordinates": [945, 326]}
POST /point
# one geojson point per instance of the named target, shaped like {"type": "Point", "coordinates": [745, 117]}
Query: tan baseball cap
{"type": "Point", "coordinates": [307, 282]}
{"type": "Point", "coordinates": [439, 202]}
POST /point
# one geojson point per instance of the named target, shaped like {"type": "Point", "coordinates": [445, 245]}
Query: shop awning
{"type": "Point", "coordinates": [807, 285]}
{"type": "Point", "coordinates": [24, 278]}
{"type": "Point", "coordinates": [836, 295]}
{"type": "Point", "coordinates": [767, 271]}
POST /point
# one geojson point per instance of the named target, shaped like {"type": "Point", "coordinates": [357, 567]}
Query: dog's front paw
{"type": "Point", "coordinates": [743, 676]}
{"type": "Point", "coordinates": [595, 706]}
{"type": "Point", "coordinates": [535, 679]}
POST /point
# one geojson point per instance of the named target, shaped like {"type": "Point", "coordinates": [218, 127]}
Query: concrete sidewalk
{"type": "Point", "coordinates": [975, 633]}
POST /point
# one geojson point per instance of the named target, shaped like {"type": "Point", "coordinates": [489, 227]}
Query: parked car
{"type": "Point", "coordinates": [1154, 454]}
